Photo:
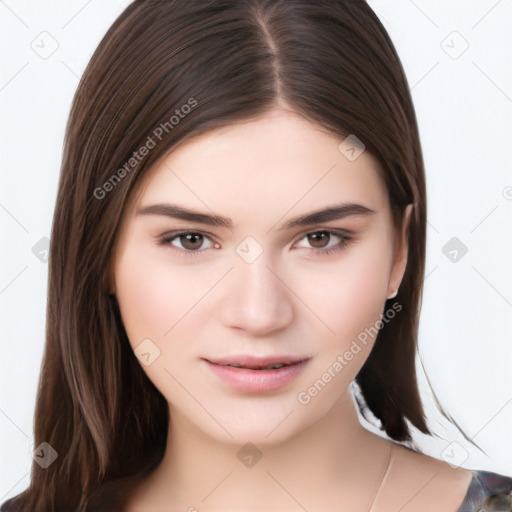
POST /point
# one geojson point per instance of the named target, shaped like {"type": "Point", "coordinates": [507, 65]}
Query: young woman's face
{"type": "Point", "coordinates": [260, 287]}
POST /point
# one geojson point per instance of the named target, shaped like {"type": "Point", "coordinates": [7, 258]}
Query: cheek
{"type": "Point", "coordinates": [366, 288]}
{"type": "Point", "coordinates": [150, 297]}
{"type": "Point", "coordinates": [349, 295]}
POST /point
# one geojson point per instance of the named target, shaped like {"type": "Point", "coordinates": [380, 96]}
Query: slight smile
{"type": "Point", "coordinates": [257, 374]}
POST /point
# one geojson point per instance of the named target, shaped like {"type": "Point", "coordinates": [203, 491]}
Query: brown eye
{"type": "Point", "coordinates": [319, 239]}
{"type": "Point", "coordinates": [191, 241]}
{"type": "Point", "coordinates": [188, 243]}
{"type": "Point", "coordinates": [324, 242]}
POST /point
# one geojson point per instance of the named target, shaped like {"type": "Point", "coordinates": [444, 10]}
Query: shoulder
{"type": "Point", "coordinates": [488, 491]}
{"type": "Point", "coordinates": [417, 482]}
{"type": "Point", "coordinates": [460, 489]}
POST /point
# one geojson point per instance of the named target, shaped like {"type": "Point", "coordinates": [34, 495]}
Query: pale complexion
{"type": "Point", "coordinates": [206, 297]}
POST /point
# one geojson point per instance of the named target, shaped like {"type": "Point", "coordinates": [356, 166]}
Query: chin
{"type": "Point", "coordinates": [263, 421]}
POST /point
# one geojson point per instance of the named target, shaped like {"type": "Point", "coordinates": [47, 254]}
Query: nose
{"type": "Point", "coordinates": [256, 300]}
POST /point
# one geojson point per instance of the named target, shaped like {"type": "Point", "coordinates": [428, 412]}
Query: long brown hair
{"type": "Point", "coordinates": [168, 71]}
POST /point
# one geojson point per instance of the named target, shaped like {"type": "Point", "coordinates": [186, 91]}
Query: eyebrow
{"type": "Point", "coordinates": [330, 213]}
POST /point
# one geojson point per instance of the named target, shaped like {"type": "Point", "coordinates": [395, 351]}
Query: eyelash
{"type": "Point", "coordinates": [168, 238]}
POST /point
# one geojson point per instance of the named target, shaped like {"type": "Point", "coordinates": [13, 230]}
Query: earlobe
{"type": "Point", "coordinates": [400, 261]}
{"type": "Point", "coordinates": [393, 295]}
{"type": "Point", "coordinates": [110, 287]}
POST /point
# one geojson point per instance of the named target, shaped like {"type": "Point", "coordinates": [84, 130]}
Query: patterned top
{"type": "Point", "coordinates": [488, 492]}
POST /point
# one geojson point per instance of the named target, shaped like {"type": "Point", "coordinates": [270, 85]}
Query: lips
{"type": "Point", "coordinates": [257, 374]}
{"type": "Point", "coordinates": [275, 366]}
{"type": "Point", "coordinates": [257, 363]}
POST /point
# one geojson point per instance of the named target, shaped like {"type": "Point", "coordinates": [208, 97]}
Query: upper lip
{"type": "Point", "coordinates": [254, 362]}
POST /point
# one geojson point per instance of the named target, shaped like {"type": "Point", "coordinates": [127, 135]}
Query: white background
{"type": "Point", "coordinates": [464, 108]}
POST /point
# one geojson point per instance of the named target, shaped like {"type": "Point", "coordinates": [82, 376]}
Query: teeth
{"type": "Point", "coordinates": [274, 366]}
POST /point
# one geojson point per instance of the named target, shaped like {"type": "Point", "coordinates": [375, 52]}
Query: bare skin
{"type": "Point", "coordinates": [315, 454]}
{"type": "Point", "coordinates": [319, 481]}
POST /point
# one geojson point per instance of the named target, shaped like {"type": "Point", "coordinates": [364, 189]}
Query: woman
{"type": "Point", "coordinates": [239, 235]}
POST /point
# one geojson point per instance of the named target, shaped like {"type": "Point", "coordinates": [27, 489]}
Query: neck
{"type": "Point", "coordinates": [335, 460]}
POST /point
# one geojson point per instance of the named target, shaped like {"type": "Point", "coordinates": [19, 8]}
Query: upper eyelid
{"type": "Point", "coordinates": [335, 231]}
{"type": "Point", "coordinates": [342, 233]}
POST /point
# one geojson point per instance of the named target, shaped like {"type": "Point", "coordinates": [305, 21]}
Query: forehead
{"type": "Point", "coordinates": [272, 164]}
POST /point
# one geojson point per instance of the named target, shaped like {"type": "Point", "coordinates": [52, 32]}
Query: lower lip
{"type": "Point", "coordinates": [242, 379]}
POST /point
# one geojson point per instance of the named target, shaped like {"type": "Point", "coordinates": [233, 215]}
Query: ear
{"type": "Point", "coordinates": [400, 254]}
{"type": "Point", "coordinates": [110, 285]}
